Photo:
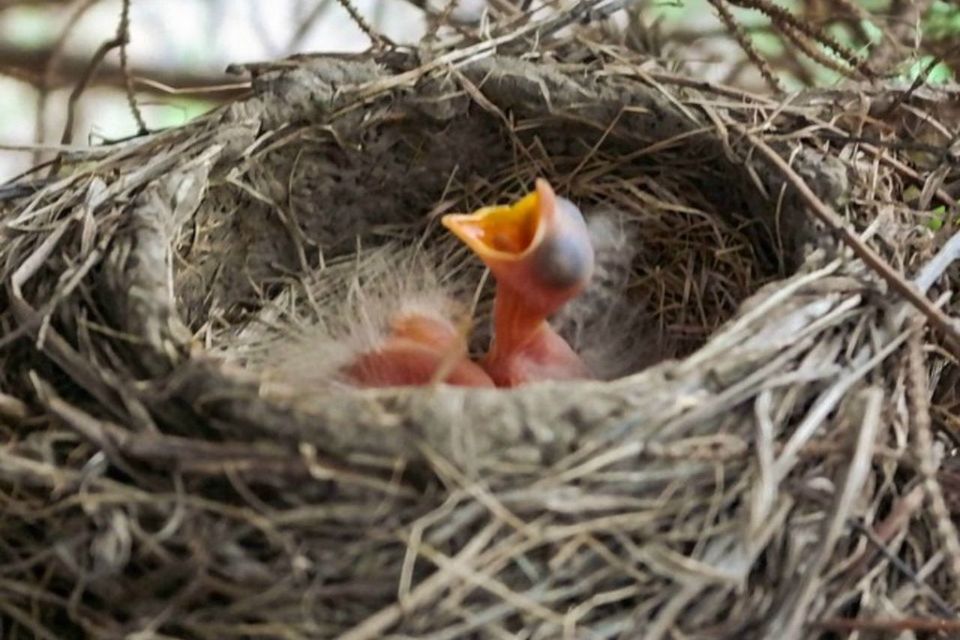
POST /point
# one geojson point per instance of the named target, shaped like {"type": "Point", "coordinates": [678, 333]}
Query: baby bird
{"type": "Point", "coordinates": [540, 254]}
{"type": "Point", "coordinates": [386, 317]}
{"type": "Point", "coordinates": [420, 349]}
{"type": "Point", "coordinates": [399, 320]}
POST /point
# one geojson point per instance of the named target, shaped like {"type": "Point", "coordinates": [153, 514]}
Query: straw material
{"type": "Point", "coordinates": [775, 471]}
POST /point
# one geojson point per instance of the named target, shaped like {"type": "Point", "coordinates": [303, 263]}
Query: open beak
{"type": "Point", "coordinates": [538, 246]}
{"type": "Point", "coordinates": [503, 234]}
{"type": "Point", "coordinates": [540, 253]}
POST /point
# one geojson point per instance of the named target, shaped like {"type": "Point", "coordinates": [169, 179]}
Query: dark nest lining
{"type": "Point", "coordinates": [705, 232]}
{"type": "Point", "coordinates": [157, 488]}
{"type": "Point", "coordinates": [326, 174]}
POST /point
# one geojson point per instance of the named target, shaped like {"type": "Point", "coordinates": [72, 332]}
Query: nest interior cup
{"type": "Point", "coordinates": [324, 181]}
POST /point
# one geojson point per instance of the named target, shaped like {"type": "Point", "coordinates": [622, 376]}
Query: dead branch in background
{"type": "Point", "coordinates": [734, 28]}
{"type": "Point", "coordinates": [803, 31]}
{"type": "Point", "coordinates": [84, 82]}
{"type": "Point", "coordinates": [123, 34]}
{"type": "Point", "coordinates": [378, 39]}
{"type": "Point", "coordinates": [901, 41]}
{"type": "Point", "coordinates": [30, 66]}
{"type": "Point", "coordinates": [53, 60]}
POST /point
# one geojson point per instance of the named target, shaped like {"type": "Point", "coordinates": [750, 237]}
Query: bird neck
{"type": "Point", "coordinates": [525, 347]}
{"type": "Point", "coordinates": [515, 323]}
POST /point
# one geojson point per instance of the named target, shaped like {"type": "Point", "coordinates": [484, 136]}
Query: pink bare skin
{"type": "Point", "coordinates": [419, 351]}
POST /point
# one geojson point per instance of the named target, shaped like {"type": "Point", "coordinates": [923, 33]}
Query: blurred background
{"type": "Point", "coordinates": [179, 49]}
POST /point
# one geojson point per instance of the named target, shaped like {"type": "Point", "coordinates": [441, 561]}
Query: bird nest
{"type": "Point", "coordinates": [759, 469]}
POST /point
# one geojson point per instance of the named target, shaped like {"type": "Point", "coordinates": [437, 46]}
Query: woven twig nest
{"type": "Point", "coordinates": [718, 493]}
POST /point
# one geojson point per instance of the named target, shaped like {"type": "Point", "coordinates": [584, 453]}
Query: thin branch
{"type": "Point", "coordinates": [942, 605]}
{"type": "Point", "coordinates": [919, 81]}
{"type": "Point", "coordinates": [782, 17]}
{"type": "Point", "coordinates": [30, 66]}
{"type": "Point", "coordinates": [736, 30]}
{"type": "Point", "coordinates": [123, 35]}
{"type": "Point", "coordinates": [904, 19]}
{"type": "Point", "coordinates": [938, 319]}
{"type": "Point", "coordinates": [52, 62]}
{"type": "Point", "coordinates": [931, 272]}
{"type": "Point", "coordinates": [82, 85]}
{"type": "Point", "coordinates": [377, 38]}
{"type": "Point", "coordinates": [809, 49]}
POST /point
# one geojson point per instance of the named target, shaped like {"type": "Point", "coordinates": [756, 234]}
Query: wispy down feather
{"type": "Point", "coordinates": [305, 338]}
{"type": "Point", "coordinates": [346, 309]}
{"type": "Point", "coordinates": [610, 330]}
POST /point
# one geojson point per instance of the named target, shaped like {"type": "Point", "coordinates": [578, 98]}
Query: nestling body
{"type": "Point", "coordinates": [395, 324]}
{"type": "Point", "coordinates": [540, 254]}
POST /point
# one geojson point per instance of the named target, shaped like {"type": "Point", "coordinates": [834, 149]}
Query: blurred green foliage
{"type": "Point", "coordinates": [938, 74]}
{"type": "Point", "coordinates": [941, 23]}
{"type": "Point", "coordinates": [174, 111]}
{"type": "Point", "coordinates": [27, 27]}
{"type": "Point", "coordinates": [943, 20]}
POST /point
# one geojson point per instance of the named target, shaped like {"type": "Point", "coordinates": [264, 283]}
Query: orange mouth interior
{"type": "Point", "coordinates": [507, 229]}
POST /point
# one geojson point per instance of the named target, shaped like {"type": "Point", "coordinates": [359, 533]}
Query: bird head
{"type": "Point", "coordinates": [538, 247]}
